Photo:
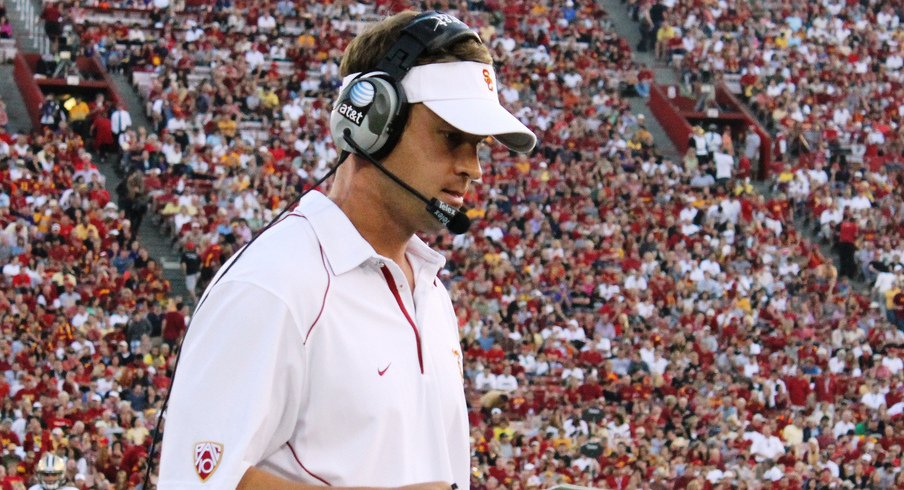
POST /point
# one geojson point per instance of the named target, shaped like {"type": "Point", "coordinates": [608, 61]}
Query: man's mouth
{"type": "Point", "coordinates": [453, 197]}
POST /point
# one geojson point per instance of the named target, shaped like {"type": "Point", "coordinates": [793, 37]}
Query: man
{"type": "Point", "coordinates": [329, 353]}
{"type": "Point", "coordinates": [697, 141]}
{"type": "Point", "coordinates": [102, 132]}
{"type": "Point", "coordinates": [136, 329]}
{"type": "Point", "coordinates": [764, 445]}
{"type": "Point", "coordinates": [174, 324]}
{"type": "Point", "coordinates": [190, 262]}
{"type": "Point", "coordinates": [120, 120]}
{"type": "Point", "coordinates": [50, 474]}
{"type": "Point", "coordinates": [713, 139]}
{"type": "Point", "coordinates": [52, 25]}
{"type": "Point", "coordinates": [752, 144]}
{"type": "Point", "coordinates": [847, 245]}
{"type": "Point", "coordinates": [51, 113]}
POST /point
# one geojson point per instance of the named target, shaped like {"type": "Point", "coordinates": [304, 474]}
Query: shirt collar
{"type": "Point", "coordinates": [425, 258]}
{"type": "Point", "coordinates": [343, 245]}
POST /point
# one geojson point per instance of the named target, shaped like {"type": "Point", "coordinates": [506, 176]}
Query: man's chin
{"type": "Point", "coordinates": [431, 225]}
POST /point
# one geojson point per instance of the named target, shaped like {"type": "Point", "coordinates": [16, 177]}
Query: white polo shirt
{"type": "Point", "coordinates": [311, 359]}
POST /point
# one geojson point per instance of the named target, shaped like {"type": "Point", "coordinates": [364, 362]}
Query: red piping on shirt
{"type": "Point", "coordinates": [328, 278]}
{"type": "Point", "coordinates": [305, 469]}
{"type": "Point", "coordinates": [395, 292]}
{"type": "Point", "coordinates": [323, 303]}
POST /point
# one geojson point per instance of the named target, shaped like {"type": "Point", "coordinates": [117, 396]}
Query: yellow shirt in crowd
{"type": "Point", "coordinates": [79, 112]}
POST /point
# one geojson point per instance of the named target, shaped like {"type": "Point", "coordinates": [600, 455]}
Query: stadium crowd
{"type": "Point", "coordinates": [827, 78]}
{"type": "Point", "coordinates": [80, 303]}
{"type": "Point", "coordinates": [629, 321]}
{"type": "Point", "coordinates": [822, 75]}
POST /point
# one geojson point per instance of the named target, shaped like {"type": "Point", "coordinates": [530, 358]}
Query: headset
{"type": "Point", "coordinates": [367, 120]}
{"type": "Point", "coordinates": [373, 107]}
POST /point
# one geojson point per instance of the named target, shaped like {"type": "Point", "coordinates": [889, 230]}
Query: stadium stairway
{"type": "Point", "coordinates": [621, 22]}
{"type": "Point", "coordinates": [29, 36]}
{"type": "Point", "coordinates": [150, 235]}
{"type": "Point", "coordinates": [19, 120]}
{"type": "Point", "coordinates": [28, 29]}
{"type": "Point", "coordinates": [626, 28]}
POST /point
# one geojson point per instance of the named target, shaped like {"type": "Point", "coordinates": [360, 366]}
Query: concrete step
{"type": "Point", "coordinates": [19, 120]}
{"type": "Point", "coordinates": [28, 29]}
{"type": "Point", "coordinates": [660, 138]}
{"type": "Point", "coordinates": [133, 102]}
{"type": "Point", "coordinates": [666, 75]}
{"type": "Point", "coordinates": [150, 235]}
{"type": "Point", "coordinates": [624, 26]}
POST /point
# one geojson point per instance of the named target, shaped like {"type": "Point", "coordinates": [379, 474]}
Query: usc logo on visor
{"type": "Point", "coordinates": [487, 78]}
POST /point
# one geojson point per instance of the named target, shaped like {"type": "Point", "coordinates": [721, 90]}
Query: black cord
{"type": "Point", "coordinates": [156, 437]}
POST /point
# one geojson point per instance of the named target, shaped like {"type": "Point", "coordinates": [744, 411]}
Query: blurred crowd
{"type": "Point", "coordinates": [629, 320]}
{"type": "Point", "coordinates": [81, 301]}
{"type": "Point", "coordinates": [822, 76]}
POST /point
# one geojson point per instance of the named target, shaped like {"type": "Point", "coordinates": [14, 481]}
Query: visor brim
{"type": "Point", "coordinates": [485, 117]}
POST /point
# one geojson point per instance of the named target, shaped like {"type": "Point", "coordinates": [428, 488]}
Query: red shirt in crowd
{"type": "Point", "coordinates": [173, 326]}
{"type": "Point", "coordinates": [103, 132]}
{"type": "Point", "coordinates": [847, 232]}
{"type": "Point", "coordinates": [826, 388]}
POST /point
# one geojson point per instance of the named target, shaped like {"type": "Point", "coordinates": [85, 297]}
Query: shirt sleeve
{"type": "Point", "coordinates": [236, 394]}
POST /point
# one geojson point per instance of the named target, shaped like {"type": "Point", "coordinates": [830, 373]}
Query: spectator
{"type": "Point", "coordinates": [120, 121]}
{"type": "Point", "coordinates": [191, 268]}
{"type": "Point", "coordinates": [847, 237]}
{"type": "Point", "coordinates": [137, 328]}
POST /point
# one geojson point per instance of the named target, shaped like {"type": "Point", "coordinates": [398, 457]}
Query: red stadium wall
{"type": "Point", "coordinates": [31, 94]}
{"type": "Point", "coordinates": [725, 98]}
{"type": "Point", "coordinates": [34, 89]}
{"type": "Point", "coordinates": [93, 65]}
{"type": "Point", "coordinates": [677, 117]}
{"type": "Point", "coordinates": [669, 117]}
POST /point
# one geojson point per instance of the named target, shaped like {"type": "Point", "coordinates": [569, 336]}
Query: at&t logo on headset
{"type": "Point", "coordinates": [359, 99]}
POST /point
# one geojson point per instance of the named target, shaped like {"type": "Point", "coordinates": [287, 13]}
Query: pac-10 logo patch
{"type": "Point", "coordinates": [207, 458]}
{"type": "Point", "coordinates": [360, 95]}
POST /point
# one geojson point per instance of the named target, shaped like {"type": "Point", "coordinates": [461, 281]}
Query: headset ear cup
{"type": "Point", "coordinates": [368, 108]}
{"type": "Point", "coordinates": [338, 122]}
{"type": "Point", "coordinates": [379, 114]}
{"type": "Point", "coordinates": [395, 107]}
{"type": "Point", "coordinates": [394, 125]}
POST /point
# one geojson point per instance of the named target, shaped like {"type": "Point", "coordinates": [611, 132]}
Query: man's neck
{"type": "Point", "coordinates": [387, 236]}
{"type": "Point", "coordinates": [373, 221]}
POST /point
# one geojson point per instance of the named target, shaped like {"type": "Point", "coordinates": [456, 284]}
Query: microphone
{"type": "Point", "coordinates": [453, 219]}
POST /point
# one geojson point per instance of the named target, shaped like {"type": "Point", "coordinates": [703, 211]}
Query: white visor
{"type": "Point", "coordinates": [465, 95]}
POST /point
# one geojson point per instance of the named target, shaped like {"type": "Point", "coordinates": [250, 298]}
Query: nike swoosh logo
{"type": "Point", "coordinates": [381, 372]}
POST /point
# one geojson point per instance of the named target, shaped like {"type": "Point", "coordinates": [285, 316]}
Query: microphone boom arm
{"type": "Point", "coordinates": [453, 219]}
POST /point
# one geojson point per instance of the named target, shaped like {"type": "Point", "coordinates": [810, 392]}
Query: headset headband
{"type": "Point", "coordinates": [428, 32]}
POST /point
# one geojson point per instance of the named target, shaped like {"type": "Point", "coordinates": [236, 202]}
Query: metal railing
{"type": "Point", "coordinates": [29, 28]}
